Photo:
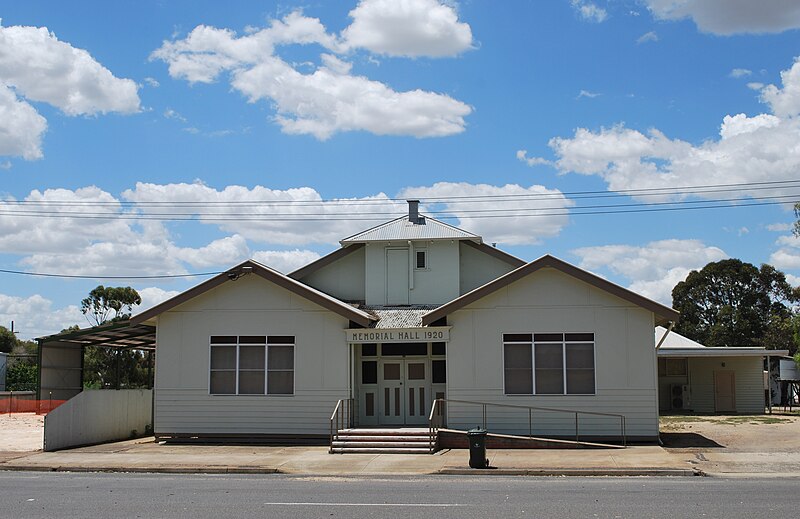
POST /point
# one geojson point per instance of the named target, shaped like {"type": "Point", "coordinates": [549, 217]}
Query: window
{"type": "Point", "coordinates": [672, 367]}
{"type": "Point", "coordinates": [251, 365]}
{"type": "Point", "coordinates": [548, 363]}
{"type": "Point", "coordinates": [421, 261]}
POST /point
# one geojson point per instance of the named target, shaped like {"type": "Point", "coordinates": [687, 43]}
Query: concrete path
{"type": "Point", "coordinates": [147, 456]}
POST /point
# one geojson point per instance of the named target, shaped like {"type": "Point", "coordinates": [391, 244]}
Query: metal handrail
{"type": "Point", "coordinates": [441, 401]}
{"type": "Point", "coordinates": [435, 421]}
{"type": "Point", "coordinates": [342, 413]}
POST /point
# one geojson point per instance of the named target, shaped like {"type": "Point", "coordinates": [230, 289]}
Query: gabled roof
{"type": "Point", "coordinates": [676, 345]}
{"type": "Point", "coordinates": [250, 266]}
{"type": "Point", "coordinates": [324, 261]}
{"type": "Point", "coordinates": [497, 253]}
{"type": "Point", "coordinates": [663, 313]}
{"type": "Point", "coordinates": [401, 229]}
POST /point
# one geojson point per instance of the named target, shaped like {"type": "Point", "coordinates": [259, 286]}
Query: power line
{"type": "Point", "coordinates": [658, 191]}
{"type": "Point", "coordinates": [78, 276]}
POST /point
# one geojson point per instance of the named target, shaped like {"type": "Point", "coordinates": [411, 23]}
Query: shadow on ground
{"type": "Point", "coordinates": [687, 440]}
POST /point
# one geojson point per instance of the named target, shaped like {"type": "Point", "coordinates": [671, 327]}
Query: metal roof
{"type": "Point", "coordinates": [398, 317]}
{"type": "Point", "coordinates": [119, 334]}
{"type": "Point", "coordinates": [676, 345]}
{"type": "Point", "coordinates": [401, 229]}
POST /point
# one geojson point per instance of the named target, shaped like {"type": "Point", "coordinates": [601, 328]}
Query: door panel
{"type": "Point", "coordinates": [724, 391]}
{"type": "Point", "coordinates": [391, 393]}
{"type": "Point", "coordinates": [397, 276]}
{"type": "Point", "coordinates": [418, 382]}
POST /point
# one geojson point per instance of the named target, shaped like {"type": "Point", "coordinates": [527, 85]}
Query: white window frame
{"type": "Point", "coordinates": [266, 369]}
{"type": "Point", "coordinates": [563, 343]}
{"type": "Point", "coordinates": [423, 251]}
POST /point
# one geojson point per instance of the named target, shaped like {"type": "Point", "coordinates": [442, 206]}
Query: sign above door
{"type": "Point", "coordinates": [389, 335]}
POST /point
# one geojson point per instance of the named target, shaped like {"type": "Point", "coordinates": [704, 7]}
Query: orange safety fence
{"type": "Point", "coordinates": [11, 403]}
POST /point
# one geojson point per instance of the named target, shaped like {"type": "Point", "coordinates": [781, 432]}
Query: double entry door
{"type": "Point", "coordinates": [404, 392]}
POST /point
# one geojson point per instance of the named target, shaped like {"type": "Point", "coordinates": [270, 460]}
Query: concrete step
{"type": "Point", "coordinates": [387, 432]}
{"type": "Point", "coordinates": [380, 445]}
{"type": "Point", "coordinates": [385, 450]}
{"type": "Point", "coordinates": [377, 437]}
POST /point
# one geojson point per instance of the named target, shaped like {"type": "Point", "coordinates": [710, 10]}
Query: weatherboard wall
{"type": "Point", "coordinates": [248, 306]}
{"type": "Point", "coordinates": [749, 383]}
{"type": "Point", "coordinates": [550, 301]}
{"type": "Point", "coordinates": [476, 268]}
{"type": "Point", "coordinates": [343, 278]}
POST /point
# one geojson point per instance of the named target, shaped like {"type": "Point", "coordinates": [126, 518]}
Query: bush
{"type": "Point", "coordinates": [21, 377]}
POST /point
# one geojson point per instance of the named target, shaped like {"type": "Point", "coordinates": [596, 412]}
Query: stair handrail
{"type": "Point", "coordinates": [440, 402]}
{"type": "Point", "coordinates": [435, 422]}
{"type": "Point", "coordinates": [341, 413]}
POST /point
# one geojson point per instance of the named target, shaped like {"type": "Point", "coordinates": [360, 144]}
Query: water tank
{"type": "Point", "coordinates": [789, 370]}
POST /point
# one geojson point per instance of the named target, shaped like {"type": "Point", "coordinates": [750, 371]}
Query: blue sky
{"type": "Point", "coordinates": [143, 109]}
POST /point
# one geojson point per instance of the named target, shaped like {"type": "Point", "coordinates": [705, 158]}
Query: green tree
{"type": "Point", "coordinates": [796, 229]}
{"type": "Point", "coordinates": [7, 340]}
{"type": "Point", "coordinates": [733, 303]}
{"type": "Point", "coordinates": [102, 301]}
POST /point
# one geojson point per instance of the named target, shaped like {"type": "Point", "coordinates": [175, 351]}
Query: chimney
{"type": "Point", "coordinates": [413, 211]}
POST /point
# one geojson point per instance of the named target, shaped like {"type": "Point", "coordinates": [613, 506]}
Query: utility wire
{"type": "Point", "coordinates": [658, 191]}
{"type": "Point", "coordinates": [77, 276]}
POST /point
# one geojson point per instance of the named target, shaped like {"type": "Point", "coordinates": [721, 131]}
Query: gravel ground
{"type": "Point", "coordinates": [21, 432]}
{"type": "Point", "coordinates": [736, 444]}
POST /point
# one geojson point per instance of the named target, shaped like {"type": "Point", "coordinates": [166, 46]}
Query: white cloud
{"type": "Point", "coordinates": [653, 269]}
{"type": "Point", "coordinates": [286, 260]}
{"type": "Point", "coordinates": [21, 127]}
{"type": "Point", "coordinates": [323, 102]}
{"type": "Point", "coordinates": [39, 67]}
{"type": "Point", "coordinates": [779, 227]}
{"type": "Point", "coordinates": [542, 215]}
{"type": "Point", "coordinates": [787, 257]}
{"type": "Point", "coordinates": [755, 85]}
{"type": "Point", "coordinates": [152, 82]}
{"type": "Point", "coordinates": [785, 102]}
{"type": "Point", "coordinates": [758, 148]}
{"type": "Point", "coordinates": [34, 316]}
{"type": "Point", "coordinates": [586, 93]}
{"type": "Point", "coordinates": [740, 72]}
{"type": "Point", "coordinates": [793, 280]}
{"type": "Point", "coordinates": [42, 68]}
{"type": "Point", "coordinates": [152, 296]}
{"type": "Point", "coordinates": [408, 28]}
{"type": "Point", "coordinates": [727, 17]}
{"type": "Point", "coordinates": [522, 155]}
{"type": "Point", "coordinates": [647, 37]}
{"type": "Point", "coordinates": [589, 11]}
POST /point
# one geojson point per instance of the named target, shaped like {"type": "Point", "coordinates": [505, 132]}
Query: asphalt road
{"type": "Point", "coordinates": [92, 495]}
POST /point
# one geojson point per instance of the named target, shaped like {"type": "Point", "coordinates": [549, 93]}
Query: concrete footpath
{"type": "Point", "coordinates": [144, 455]}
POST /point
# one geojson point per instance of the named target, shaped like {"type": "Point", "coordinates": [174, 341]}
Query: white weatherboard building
{"type": "Point", "coordinates": [402, 314]}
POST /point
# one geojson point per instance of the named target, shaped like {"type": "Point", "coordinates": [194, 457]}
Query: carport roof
{"type": "Point", "coordinates": [119, 334]}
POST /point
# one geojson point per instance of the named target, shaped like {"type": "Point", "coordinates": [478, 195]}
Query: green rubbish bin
{"type": "Point", "coordinates": [477, 449]}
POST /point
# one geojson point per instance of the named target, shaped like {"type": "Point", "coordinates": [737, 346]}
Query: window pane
{"type": "Point", "coordinates": [280, 382]}
{"type": "Point", "coordinates": [518, 382]}
{"type": "Point", "coordinates": [369, 350]}
{"type": "Point", "coordinates": [280, 339]}
{"type": "Point", "coordinates": [251, 357]}
{"type": "Point", "coordinates": [437, 348]}
{"type": "Point", "coordinates": [517, 337]}
{"type": "Point", "coordinates": [549, 381]}
{"type": "Point", "coordinates": [548, 337]}
{"type": "Point", "coordinates": [416, 371]}
{"type": "Point", "coordinates": [675, 367]}
{"type": "Point", "coordinates": [549, 356]}
{"type": "Point", "coordinates": [223, 357]}
{"type": "Point", "coordinates": [223, 339]}
{"type": "Point", "coordinates": [580, 381]}
{"type": "Point", "coordinates": [439, 371]}
{"type": "Point", "coordinates": [369, 372]}
{"type": "Point", "coordinates": [280, 357]}
{"type": "Point", "coordinates": [253, 339]}
{"type": "Point", "coordinates": [517, 356]}
{"type": "Point", "coordinates": [391, 372]}
{"type": "Point", "coordinates": [251, 382]}
{"type": "Point", "coordinates": [580, 356]}
{"type": "Point", "coordinates": [579, 337]}
{"type": "Point", "coordinates": [223, 383]}
{"type": "Point", "coordinates": [421, 259]}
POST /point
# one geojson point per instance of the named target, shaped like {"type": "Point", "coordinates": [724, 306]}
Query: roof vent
{"type": "Point", "coordinates": [413, 212]}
